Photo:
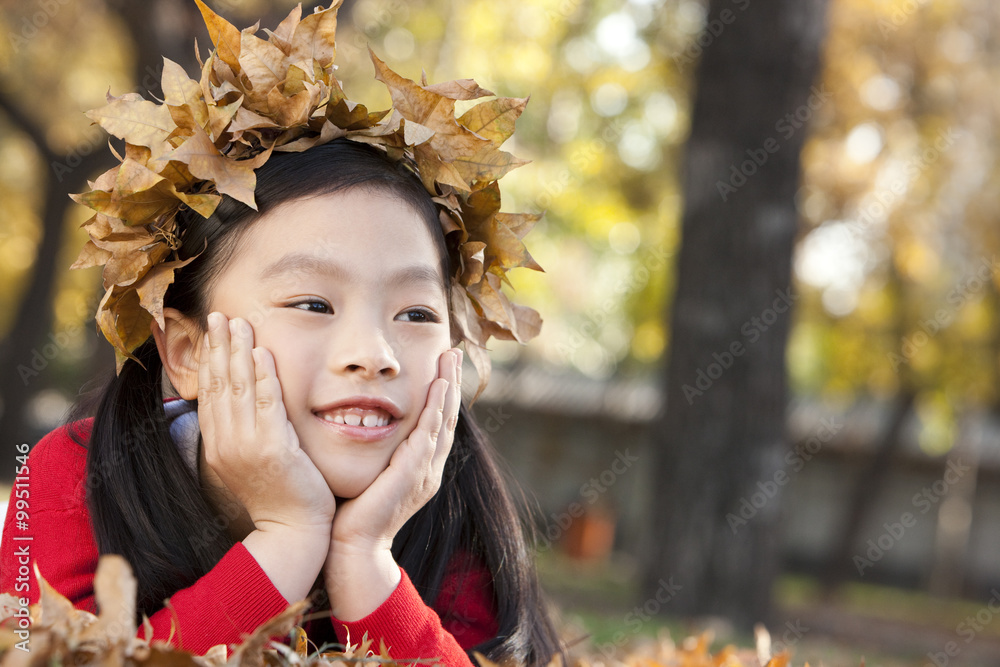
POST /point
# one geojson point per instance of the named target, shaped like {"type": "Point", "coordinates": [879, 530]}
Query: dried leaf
{"type": "Point", "coordinates": [224, 35]}
{"type": "Point", "coordinates": [314, 37]}
{"type": "Point", "coordinates": [136, 121]}
{"type": "Point", "coordinates": [494, 120]}
{"type": "Point", "coordinates": [90, 256]}
{"type": "Point", "coordinates": [231, 177]}
{"type": "Point", "coordinates": [153, 287]}
{"type": "Point", "coordinates": [262, 62]}
{"type": "Point", "coordinates": [460, 89]}
{"type": "Point", "coordinates": [181, 91]}
{"type": "Point", "coordinates": [282, 35]}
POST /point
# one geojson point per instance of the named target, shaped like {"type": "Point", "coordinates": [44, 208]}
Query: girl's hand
{"type": "Point", "coordinates": [248, 440]}
{"type": "Point", "coordinates": [364, 527]}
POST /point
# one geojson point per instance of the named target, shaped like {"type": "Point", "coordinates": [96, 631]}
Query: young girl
{"type": "Point", "coordinates": [294, 427]}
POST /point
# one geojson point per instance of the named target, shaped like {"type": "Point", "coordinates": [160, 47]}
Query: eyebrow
{"type": "Point", "coordinates": [305, 263]}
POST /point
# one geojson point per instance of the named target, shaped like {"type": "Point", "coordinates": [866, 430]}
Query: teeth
{"type": "Point", "coordinates": [354, 419]}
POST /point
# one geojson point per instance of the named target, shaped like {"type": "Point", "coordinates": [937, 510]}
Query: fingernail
{"type": "Point", "coordinates": [236, 327]}
{"type": "Point", "coordinates": [214, 321]}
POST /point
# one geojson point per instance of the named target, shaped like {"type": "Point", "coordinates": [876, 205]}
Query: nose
{"type": "Point", "coordinates": [363, 350]}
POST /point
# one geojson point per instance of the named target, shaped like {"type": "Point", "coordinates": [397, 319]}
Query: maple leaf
{"type": "Point", "coordinates": [224, 35]}
{"type": "Point", "coordinates": [494, 120]}
{"type": "Point", "coordinates": [235, 178]}
{"type": "Point", "coordinates": [135, 120]}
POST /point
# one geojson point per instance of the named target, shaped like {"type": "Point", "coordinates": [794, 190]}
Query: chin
{"type": "Point", "coordinates": [349, 489]}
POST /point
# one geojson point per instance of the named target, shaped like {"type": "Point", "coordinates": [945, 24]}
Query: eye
{"type": "Point", "coordinates": [321, 307]}
{"type": "Point", "coordinates": [419, 315]}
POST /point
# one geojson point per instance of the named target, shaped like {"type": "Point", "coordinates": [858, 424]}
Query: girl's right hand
{"type": "Point", "coordinates": [248, 440]}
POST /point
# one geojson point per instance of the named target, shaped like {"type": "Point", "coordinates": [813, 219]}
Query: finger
{"type": "Point", "coordinates": [270, 410]}
{"type": "Point", "coordinates": [218, 368]}
{"type": "Point", "coordinates": [242, 380]}
{"type": "Point", "coordinates": [452, 372]}
{"type": "Point", "coordinates": [205, 421]}
{"type": "Point", "coordinates": [423, 439]}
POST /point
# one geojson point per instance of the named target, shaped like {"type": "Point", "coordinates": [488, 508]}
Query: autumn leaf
{"type": "Point", "coordinates": [224, 35]}
{"type": "Point", "coordinates": [494, 120]}
{"type": "Point", "coordinates": [314, 37]}
{"type": "Point", "coordinates": [262, 62]}
{"type": "Point", "coordinates": [137, 121]}
{"type": "Point", "coordinates": [182, 92]}
{"type": "Point", "coordinates": [255, 96]}
{"type": "Point", "coordinates": [153, 287]}
{"type": "Point", "coordinates": [235, 178]}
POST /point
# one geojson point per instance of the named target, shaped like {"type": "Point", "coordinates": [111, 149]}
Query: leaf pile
{"type": "Point", "coordinates": [63, 635]}
{"type": "Point", "coordinates": [255, 96]}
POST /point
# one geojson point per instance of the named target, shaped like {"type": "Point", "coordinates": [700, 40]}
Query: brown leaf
{"type": "Point", "coordinates": [137, 121]}
{"type": "Point", "coordinates": [467, 322]}
{"type": "Point", "coordinates": [114, 591]}
{"type": "Point", "coordinates": [231, 177]}
{"type": "Point", "coordinates": [519, 223]}
{"type": "Point", "coordinates": [459, 89]}
{"type": "Point", "coordinates": [248, 654]}
{"type": "Point", "coordinates": [314, 37]}
{"type": "Point", "coordinates": [494, 120]}
{"type": "Point", "coordinates": [131, 324]}
{"type": "Point", "coordinates": [224, 35]}
{"type": "Point", "coordinates": [248, 120]}
{"type": "Point", "coordinates": [141, 195]}
{"type": "Point", "coordinates": [282, 35]}
{"type": "Point", "coordinates": [472, 262]}
{"type": "Point", "coordinates": [154, 284]}
{"type": "Point", "coordinates": [90, 256]}
{"type": "Point", "coordinates": [262, 62]}
{"type": "Point", "coordinates": [220, 117]}
{"type": "Point", "coordinates": [291, 111]}
{"type": "Point", "coordinates": [179, 90]}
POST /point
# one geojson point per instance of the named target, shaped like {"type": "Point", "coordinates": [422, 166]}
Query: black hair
{"type": "Point", "coordinates": [143, 499]}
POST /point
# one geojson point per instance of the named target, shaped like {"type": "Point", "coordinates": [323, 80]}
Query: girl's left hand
{"type": "Point", "coordinates": [364, 527]}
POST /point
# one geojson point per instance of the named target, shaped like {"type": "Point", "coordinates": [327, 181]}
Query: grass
{"type": "Point", "coordinates": [595, 601]}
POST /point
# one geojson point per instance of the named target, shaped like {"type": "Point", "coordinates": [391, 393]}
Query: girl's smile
{"type": "Point", "coordinates": [363, 418]}
{"type": "Point", "coordinates": [347, 292]}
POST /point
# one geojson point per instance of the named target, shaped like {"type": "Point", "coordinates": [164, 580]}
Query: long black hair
{"type": "Point", "coordinates": [144, 500]}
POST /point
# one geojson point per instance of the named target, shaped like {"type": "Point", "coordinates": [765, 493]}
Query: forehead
{"type": "Point", "coordinates": [356, 233]}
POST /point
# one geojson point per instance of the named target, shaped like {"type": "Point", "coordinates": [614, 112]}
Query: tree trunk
{"type": "Point", "coordinates": [722, 438]}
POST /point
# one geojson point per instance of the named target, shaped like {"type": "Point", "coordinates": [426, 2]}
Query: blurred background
{"type": "Point", "coordinates": [766, 389]}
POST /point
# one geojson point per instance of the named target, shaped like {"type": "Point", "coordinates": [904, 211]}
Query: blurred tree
{"type": "Point", "coordinates": [723, 430]}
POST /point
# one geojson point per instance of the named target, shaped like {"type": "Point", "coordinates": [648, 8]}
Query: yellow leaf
{"type": "Point", "coordinates": [137, 121]}
{"type": "Point", "coordinates": [154, 284]}
{"type": "Point", "coordinates": [282, 35]}
{"type": "Point", "coordinates": [314, 37]}
{"type": "Point", "coordinates": [494, 120]}
{"type": "Point", "coordinates": [179, 90]}
{"type": "Point", "coordinates": [231, 177]}
{"type": "Point", "coordinates": [262, 62]}
{"type": "Point", "coordinates": [224, 35]}
{"type": "Point", "coordinates": [90, 256]}
{"type": "Point", "coordinates": [459, 89]}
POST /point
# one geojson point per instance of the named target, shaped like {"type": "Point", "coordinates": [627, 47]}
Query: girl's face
{"type": "Point", "coordinates": [346, 292]}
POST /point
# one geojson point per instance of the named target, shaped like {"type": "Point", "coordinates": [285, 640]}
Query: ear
{"type": "Point", "coordinates": [179, 345]}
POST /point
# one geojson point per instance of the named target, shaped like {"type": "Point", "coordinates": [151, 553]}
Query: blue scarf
{"type": "Point", "coordinates": [184, 429]}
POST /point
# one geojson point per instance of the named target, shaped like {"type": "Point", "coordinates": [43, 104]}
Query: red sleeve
{"type": "Point", "coordinates": [235, 597]}
{"type": "Point", "coordinates": [413, 630]}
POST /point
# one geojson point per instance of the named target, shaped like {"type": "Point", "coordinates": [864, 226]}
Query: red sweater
{"type": "Point", "coordinates": [236, 596]}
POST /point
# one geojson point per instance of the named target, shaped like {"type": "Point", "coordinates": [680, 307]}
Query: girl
{"type": "Point", "coordinates": [333, 450]}
{"type": "Point", "coordinates": [294, 425]}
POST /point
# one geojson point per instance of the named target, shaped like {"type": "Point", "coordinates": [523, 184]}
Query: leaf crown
{"type": "Point", "coordinates": [257, 96]}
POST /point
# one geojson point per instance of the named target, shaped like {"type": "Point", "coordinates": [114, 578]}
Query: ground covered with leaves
{"type": "Point", "coordinates": [61, 635]}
